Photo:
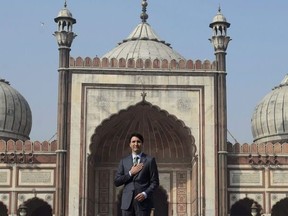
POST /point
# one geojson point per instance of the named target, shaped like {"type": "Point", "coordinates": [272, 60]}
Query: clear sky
{"type": "Point", "coordinates": [256, 56]}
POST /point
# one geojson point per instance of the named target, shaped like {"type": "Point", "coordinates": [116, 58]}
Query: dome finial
{"type": "Point", "coordinates": [144, 15]}
{"type": "Point", "coordinates": [219, 8]}
{"type": "Point", "coordinates": [65, 3]}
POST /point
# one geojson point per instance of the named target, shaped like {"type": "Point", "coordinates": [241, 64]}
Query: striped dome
{"type": "Point", "coordinates": [143, 43]}
{"type": "Point", "coordinates": [15, 114]}
{"type": "Point", "coordinates": [270, 118]}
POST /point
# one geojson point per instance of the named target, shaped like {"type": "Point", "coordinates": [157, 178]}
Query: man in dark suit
{"type": "Point", "coordinates": [139, 177]}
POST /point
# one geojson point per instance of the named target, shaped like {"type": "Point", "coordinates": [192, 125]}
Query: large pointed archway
{"type": "Point", "coordinates": [166, 138]}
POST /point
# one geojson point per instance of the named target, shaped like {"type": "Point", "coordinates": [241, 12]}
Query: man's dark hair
{"type": "Point", "coordinates": [138, 135]}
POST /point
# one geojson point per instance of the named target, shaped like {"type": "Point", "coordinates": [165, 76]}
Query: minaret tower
{"type": "Point", "coordinates": [64, 36]}
{"type": "Point", "coordinates": [220, 42]}
{"type": "Point", "coordinates": [220, 39]}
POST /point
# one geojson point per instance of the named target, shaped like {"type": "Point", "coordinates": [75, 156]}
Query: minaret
{"type": "Point", "coordinates": [220, 42]}
{"type": "Point", "coordinates": [220, 39]}
{"type": "Point", "coordinates": [64, 36]}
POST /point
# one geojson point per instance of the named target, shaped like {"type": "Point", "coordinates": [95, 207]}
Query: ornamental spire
{"type": "Point", "coordinates": [143, 95]}
{"type": "Point", "coordinates": [144, 15]}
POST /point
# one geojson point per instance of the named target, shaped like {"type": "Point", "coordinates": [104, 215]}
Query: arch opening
{"type": "Point", "coordinates": [36, 206]}
{"type": "Point", "coordinates": [280, 208]}
{"type": "Point", "coordinates": [3, 209]}
{"type": "Point", "coordinates": [243, 207]}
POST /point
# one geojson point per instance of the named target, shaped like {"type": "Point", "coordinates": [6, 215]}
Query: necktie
{"type": "Point", "coordinates": [135, 160]}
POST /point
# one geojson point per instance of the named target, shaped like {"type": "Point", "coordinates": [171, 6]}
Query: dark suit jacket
{"type": "Point", "coordinates": [147, 180]}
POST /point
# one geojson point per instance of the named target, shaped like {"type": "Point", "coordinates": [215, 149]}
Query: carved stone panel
{"type": "Point", "coordinates": [245, 178]}
{"type": "Point", "coordinates": [39, 177]}
{"type": "Point", "coordinates": [279, 177]}
{"type": "Point", "coordinates": [5, 177]}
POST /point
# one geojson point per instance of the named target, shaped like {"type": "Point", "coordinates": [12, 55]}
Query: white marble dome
{"type": "Point", "coordinates": [65, 13]}
{"type": "Point", "coordinates": [219, 17]}
{"type": "Point", "coordinates": [270, 118]}
{"type": "Point", "coordinates": [143, 43]}
{"type": "Point", "coordinates": [15, 114]}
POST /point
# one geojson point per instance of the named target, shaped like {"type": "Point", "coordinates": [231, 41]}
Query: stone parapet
{"type": "Point", "coordinates": [258, 148]}
{"type": "Point", "coordinates": [163, 64]}
{"type": "Point", "coordinates": [27, 146]}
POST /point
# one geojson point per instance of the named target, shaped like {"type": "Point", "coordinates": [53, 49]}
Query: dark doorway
{"type": "Point", "coordinates": [280, 208]}
{"type": "Point", "coordinates": [243, 208]}
{"type": "Point", "coordinates": [37, 207]}
{"type": "Point", "coordinates": [160, 202]}
{"type": "Point", "coordinates": [3, 209]}
{"type": "Point", "coordinates": [119, 212]}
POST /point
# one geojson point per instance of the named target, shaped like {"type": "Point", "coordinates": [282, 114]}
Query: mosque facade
{"type": "Point", "coordinates": [180, 107]}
